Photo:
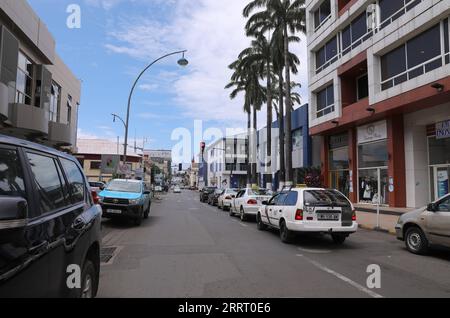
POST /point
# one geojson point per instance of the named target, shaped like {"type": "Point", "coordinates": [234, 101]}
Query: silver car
{"type": "Point", "coordinates": [425, 227]}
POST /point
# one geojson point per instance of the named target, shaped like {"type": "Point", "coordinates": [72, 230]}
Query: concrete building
{"type": "Point", "coordinates": [162, 159]}
{"type": "Point", "coordinates": [90, 152]}
{"type": "Point", "coordinates": [379, 83]}
{"type": "Point", "coordinates": [39, 95]}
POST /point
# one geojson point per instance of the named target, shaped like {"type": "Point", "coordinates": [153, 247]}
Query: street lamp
{"type": "Point", "coordinates": [182, 62]}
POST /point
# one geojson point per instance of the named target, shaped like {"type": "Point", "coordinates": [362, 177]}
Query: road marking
{"type": "Point", "coordinates": [343, 278]}
{"type": "Point", "coordinates": [314, 251]}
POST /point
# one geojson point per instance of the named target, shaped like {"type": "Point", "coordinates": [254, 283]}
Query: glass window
{"type": "Point", "coordinates": [331, 49]}
{"type": "Point", "coordinates": [24, 80]}
{"type": "Point", "coordinates": [346, 38]}
{"type": "Point", "coordinates": [373, 154]}
{"type": "Point", "coordinates": [280, 199]}
{"type": "Point", "coordinates": [324, 198]}
{"type": "Point", "coordinates": [291, 199]}
{"type": "Point", "coordinates": [48, 182]}
{"type": "Point", "coordinates": [424, 47]}
{"type": "Point", "coordinates": [320, 57]}
{"type": "Point", "coordinates": [339, 159]}
{"type": "Point", "coordinates": [393, 63]}
{"type": "Point", "coordinates": [389, 7]}
{"type": "Point", "coordinates": [55, 102]}
{"type": "Point", "coordinates": [11, 174]}
{"type": "Point", "coordinates": [76, 180]}
{"type": "Point", "coordinates": [439, 151]}
{"type": "Point", "coordinates": [446, 41]}
{"type": "Point", "coordinates": [359, 27]}
{"type": "Point", "coordinates": [95, 165]}
{"type": "Point", "coordinates": [363, 87]}
{"type": "Point", "coordinates": [322, 13]}
{"type": "Point", "coordinates": [327, 54]}
{"type": "Point", "coordinates": [444, 205]}
{"type": "Point", "coordinates": [325, 101]}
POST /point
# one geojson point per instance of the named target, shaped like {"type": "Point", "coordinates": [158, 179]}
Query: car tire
{"type": "Point", "coordinates": [138, 220]}
{"type": "Point", "coordinates": [231, 212]}
{"type": "Point", "coordinates": [259, 223]}
{"type": "Point", "coordinates": [243, 215]}
{"type": "Point", "coordinates": [416, 242]}
{"type": "Point", "coordinates": [285, 235]}
{"type": "Point", "coordinates": [89, 281]}
{"type": "Point", "coordinates": [338, 238]}
{"type": "Point", "coordinates": [147, 213]}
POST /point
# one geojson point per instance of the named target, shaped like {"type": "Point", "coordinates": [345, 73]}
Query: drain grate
{"type": "Point", "coordinates": [107, 253]}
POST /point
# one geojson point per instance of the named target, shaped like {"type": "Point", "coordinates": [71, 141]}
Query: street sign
{"type": "Point", "coordinates": [110, 164]}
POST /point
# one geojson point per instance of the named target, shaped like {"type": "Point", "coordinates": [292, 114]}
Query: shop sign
{"type": "Point", "coordinates": [372, 132]}
{"type": "Point", "coordinates": [443, 130]}
{"type": "Point", "coordinates": [442, 179]}
{"type": "Point", "coordinates": [110, 164]}
{"type": "Point", "coordinates": [338, 141]}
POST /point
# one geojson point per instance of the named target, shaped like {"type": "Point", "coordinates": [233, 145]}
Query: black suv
{"type": "Point", "coordinates": [49, 224]}
{"type": "Point", "coordinates": [204, 194]}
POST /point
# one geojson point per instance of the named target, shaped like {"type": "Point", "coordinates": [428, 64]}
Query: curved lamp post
{"type": "Point", "coordinates": [182, 62]}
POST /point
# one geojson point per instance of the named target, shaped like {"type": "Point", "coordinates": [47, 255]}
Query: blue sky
{"type": "Point", "coordinates": [119, 37]}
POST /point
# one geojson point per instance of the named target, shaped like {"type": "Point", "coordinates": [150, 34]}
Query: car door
{"type": "Point", "coordinates": [289, 207]}
{"type": "Point", "coordinates": [267, 210]}
{"type": "Point", "coordinates": [276, 212]}
{"type": "Point", "coordinates": [438, 222]}
{"type": "Point", "coordinates": [24, 270]}
{"type": "Point", "coordinates": [237, 200]}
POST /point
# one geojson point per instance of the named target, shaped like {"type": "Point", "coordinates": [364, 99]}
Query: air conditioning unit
{"type": "Point", "coordinates": [371, 14]}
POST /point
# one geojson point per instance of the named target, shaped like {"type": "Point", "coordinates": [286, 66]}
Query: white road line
{"type": "Point", "coordinates": [314, 251]}
{"type": "Point", "coordinates": [343, 278]}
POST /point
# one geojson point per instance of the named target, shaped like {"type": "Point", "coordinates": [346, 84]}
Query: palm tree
{"type": "Point", "coordinates": [286, 17]}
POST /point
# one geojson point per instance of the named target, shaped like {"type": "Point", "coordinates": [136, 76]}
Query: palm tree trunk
{"type": "Point", "coordinates": [269, 130]}
{"type": "Point", "coordinates": [288, 130]}
{"type": "Point", "coordinates": [254, 147]}
{"type": "Point", "coordinates": [249, 167]}
{"type": "Point", "coordinates": [281, 130]}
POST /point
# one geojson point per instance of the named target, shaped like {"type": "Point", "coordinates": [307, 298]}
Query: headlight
{"type": "Point", "coordinates": [100, 199]}
{"type": "Point", "coordinates": [135, 202]}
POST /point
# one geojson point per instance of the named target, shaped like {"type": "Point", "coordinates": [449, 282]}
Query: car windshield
{"type": "Point", "coordinates": [124, 186]}
{"type": "Point", "coordinates": [231, 191]}
{"type": "Point", "coordinates": [259, 192]}
{"type": "Point", "coordinates": [325, 198]}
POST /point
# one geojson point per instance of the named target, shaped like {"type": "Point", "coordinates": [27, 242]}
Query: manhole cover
{"type": "Point", "coordinates": [105, 258]}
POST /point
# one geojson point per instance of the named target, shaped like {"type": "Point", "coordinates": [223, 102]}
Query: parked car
{"type": "Point", "coordinates": [158, 188]}
{"type": "Point", "coordinates": [247, 202]}
{"type": "Point", "coordinates": [176, 189]}
{"type": "Point", "coordinates": [126, 198]}
{"type": "Point", "coordinates": [213, 198]}
{"type": "Point", "coordinates": [97, 186]}
{"type": "Point", "coordinates": [49, 221]}
{"type": "Point", "coordinates": [226, 198]}
{"type": "Point", "coordinates": [205, 192]}
{"type": "Point", "coordinates": [426, 227]}
{"type": "Point", "coordinates": [309, 210]}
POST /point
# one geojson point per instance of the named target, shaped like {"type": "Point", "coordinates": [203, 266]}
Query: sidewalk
{"type": "Point", "coordinates": [367, 217]}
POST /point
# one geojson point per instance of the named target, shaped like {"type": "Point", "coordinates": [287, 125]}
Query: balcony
{"type": "Point", "coordinates": [59, 134]}
{"type": "Point", "coordinates": [29, 121]}
{"type": "Point", "coordinates": [3, 102]}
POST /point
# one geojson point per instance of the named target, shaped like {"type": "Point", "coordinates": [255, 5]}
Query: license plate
{"type": "Point", "coordinates": [328, 217]}
{"type": "Point", "coordinates": [114, 211]}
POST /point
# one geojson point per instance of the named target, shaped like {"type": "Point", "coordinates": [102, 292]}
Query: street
{"type": "Point", "coordinates": [189, 249]}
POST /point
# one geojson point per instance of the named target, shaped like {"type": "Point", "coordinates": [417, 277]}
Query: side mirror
{"type": "Point", "coordinates": [147, 192]}
{"type": "Point", "coordinates": [13, 208]}
{"type": "Point", "coordinates": [431, 207]}
{"type": "Point", "coordinates": [265, 203]}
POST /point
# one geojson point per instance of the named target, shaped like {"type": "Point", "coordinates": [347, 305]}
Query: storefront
{"type": "Point", "coordinates": [339, 167]}
{"type": "Point", "coordinates": [373, 162]}
{"type": "Point", "coordinates": [439, 159]}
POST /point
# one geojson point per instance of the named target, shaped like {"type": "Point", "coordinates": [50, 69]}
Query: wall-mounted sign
{"type": "Point", "coordinates": [442, 179]}
{"type": "Point", "coordinates": [443, 130]}
{"type": "Point", "coordinates": [338, 141]}
{"type": "Point", "coordinates": [372, 132]}
{"type": "Point", "coordinates": [110, 164]}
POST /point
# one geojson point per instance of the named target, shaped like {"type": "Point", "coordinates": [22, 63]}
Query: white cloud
{"type": "Point", "coordinates": [213, 33]}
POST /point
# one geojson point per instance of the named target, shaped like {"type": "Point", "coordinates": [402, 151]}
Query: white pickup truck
{"type": "Point", "coordinates": [247, 202]}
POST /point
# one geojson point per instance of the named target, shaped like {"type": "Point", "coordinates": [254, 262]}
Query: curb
{"type": "Point", "coordinates": [373, 228]}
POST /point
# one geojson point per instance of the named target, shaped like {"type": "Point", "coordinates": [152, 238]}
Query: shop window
{"type": "Point", "coordinates": [322, 14]}
{"type": "Point", "coordinates": [373, 154]}
{"type": "Point", "coordinates": [325, 101]}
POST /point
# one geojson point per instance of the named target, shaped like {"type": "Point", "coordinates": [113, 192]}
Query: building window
{"type": "Point", "coordinates": [356, 33]}
{"type": "Point", "coordinates": [55, 102]}
{"type": "Point", "coordinates": [24, 86]}
{"type": "Point", "coordinates": [327, 55]}
{"type": "Point", "coordinates": [322, 14]}
{"type": "Point", "coordinates": [95, 165]}
{"type": "Point", "coordinates": [69, 109]}
{"type": "Point", "coordinates": [446, 41]}
{"type": "Point", "coordinates": [418, 56]}
{"type": "Point", "coordinates": [325, 101]}
{"type": "Point", "coordinates": [391, 10]}
{"type": "Point", "coordinates": [362, 87]}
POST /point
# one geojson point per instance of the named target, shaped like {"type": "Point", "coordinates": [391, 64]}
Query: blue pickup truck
{"type": "Point", "coordinates": [126, 198]}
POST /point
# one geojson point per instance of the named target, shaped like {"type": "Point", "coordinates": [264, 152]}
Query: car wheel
{"type": "Point", "coordinates": [138, 220]}
{"type": "Point", "coordinates": [259, 223]}
{"type": "Point", "coordinates": [147, 213]}
{"type": "Point", "coordinates": [285, 234]}
{"type": "Point", "coordinates": [89, 281]}
{"type": "Point", "coordinates": [231, 211]}
{"type": "Point", "coordinates": [416, 241]}
{"type": "Point", "coordinates": [243, 215]}
{"type": "Point", "coordinates": [338, 238]}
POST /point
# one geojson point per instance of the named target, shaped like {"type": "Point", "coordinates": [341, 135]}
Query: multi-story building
{"type": "Point", "coordinates": [39, 95]}
{"type": "Point", "coordinates": [379, 83]}
{"type": "Point", "coordinates": [226, 162]}
{"type": "Point", "coordinates": [91, 151]}
{"type": "Point", "coordinates": [162, 159]}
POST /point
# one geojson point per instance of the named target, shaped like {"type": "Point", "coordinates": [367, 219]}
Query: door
{"type": "Point", "coordinates": [277, 209]}
{"type": "Point", "coordinates": [439, 223]}
{"type": "Point", "coordinates": [24, 270]}
{"type": "Point", "coordinates": [268, 211]}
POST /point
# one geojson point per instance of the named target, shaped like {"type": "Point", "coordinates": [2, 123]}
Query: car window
{"type": "Point", "coordinates": [48, 182]}
{"type": "Point", "coordinates": [444, 206]}
{"type": "Point", "coordinates": [291, 199]}
{"type": "Point", "coordinates": [11, 174]}
{"type": "Point", "coordinates": [280, 199]}
{"type": "Point", "coordinates": [325, 198]}
{"type": "Point", "coordinates": [76, 180]}
{"type": "Point", "coordinates": [274, 200]}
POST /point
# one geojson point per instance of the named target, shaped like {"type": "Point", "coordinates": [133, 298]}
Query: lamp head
{"type": "Point", "coordinates": [183, 61]}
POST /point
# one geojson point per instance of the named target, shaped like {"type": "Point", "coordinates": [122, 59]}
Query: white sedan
{"type": "Point", "coordinates": [225, 200]}
{"type": "Point", "coordinates": [248, 201]}
{"type": "Point", "coordinates": [177, 189]}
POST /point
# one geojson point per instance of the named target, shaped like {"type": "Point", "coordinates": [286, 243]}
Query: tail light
{"type": "Point", "coordinates": [299, 215]}
{"type": "Point", "coordinates": [354, 215]}
{"type": "Point", "coordinates": [252, 202]}
{"type": "Point", "coordinates": [95, 197]}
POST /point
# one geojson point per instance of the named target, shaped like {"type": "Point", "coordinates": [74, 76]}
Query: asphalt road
{"type": "Point", "coordinates": [189, 249]}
